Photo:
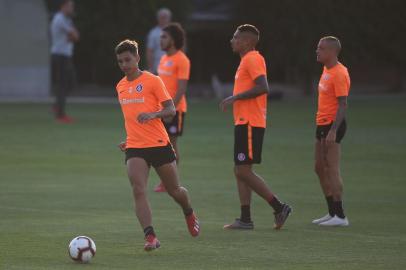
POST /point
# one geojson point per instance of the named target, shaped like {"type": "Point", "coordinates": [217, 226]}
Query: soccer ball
{"type": "Point", "coordinates": [82, 249]}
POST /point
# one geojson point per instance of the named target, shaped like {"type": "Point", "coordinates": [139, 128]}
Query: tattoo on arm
{"type": "Point", "coordinates": [342, 108]}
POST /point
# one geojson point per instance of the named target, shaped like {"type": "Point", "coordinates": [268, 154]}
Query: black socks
{"type": "Point", "coordinates": [187, 212]}
{"type": "Point", "coordinates": [276, 204]}
{"type": "Point", "coordinates": [338, 209]}
{"type": "Point", "coordinates": [335, 208]}
{"type": "Point", "coordinates": [149, 231]}
{"type": "Point", "coordinates": [329, 200]}
{"type": "Point", "coordinates": [245, 214]}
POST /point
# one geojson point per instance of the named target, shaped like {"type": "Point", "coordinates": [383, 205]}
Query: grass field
{"type": "Point", "coordinates": [60, 181]}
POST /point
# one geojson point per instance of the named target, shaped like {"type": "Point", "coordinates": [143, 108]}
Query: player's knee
{"type": "Point", "coordinates": [176, 191]}
{"type": "Point", "coordinates": [139, 190]}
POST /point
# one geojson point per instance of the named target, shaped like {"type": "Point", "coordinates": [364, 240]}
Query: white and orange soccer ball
{"type": "Point", "coordinates": [82, 249]}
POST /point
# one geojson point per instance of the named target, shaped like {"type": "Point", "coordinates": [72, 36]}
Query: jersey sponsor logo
{"type": "Point", "coordinates": [138, 88]}
{"type": "Point", "coordinates": [164, 72]}
{"type": "Point", "coordinates": [125, 101]}
{"type": "Point", "coordinates": [241, 156]}
{"type": "Point", "coordinates": [168, 63]}
{"type": "Point", "coordinates": [326, 77]}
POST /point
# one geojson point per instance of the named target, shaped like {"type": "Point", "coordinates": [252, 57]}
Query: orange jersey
{"type": "Point", "coordinates": [253, 110]}
{"type": "Point", "coordinates": [143, 95]}
{"type": "Point", "coordinates": [334, 82]}
{"type": "Point", "coordinates": [170, 70]}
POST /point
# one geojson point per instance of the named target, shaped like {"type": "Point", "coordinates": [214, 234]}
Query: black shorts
{"type": "Point", "coordinates": [175, 127]}
{"type": "Point", "coordinates": [155, 156]}
{"type": "Point", "coordinates": [322, 131]}
{"type": "Point", "coordinates": [248, 144]}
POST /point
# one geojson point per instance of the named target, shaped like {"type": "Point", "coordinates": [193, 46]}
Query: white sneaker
{"type": "Point", "coordinates": [335, 221]}
{"type": "Point", "coordinates": [323, 219]}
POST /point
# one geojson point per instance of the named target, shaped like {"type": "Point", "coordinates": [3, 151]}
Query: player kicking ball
{"type": "Point", "coordinates": [334, 87]}
{"type": "Point", "coordinates": [144, 102]}
{"type": "Point", "coordinates": [249, 102]}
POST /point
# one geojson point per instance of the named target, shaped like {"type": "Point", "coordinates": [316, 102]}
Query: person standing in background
{"type": "Point", "coordinates": [154, 51]}
{"type": "Point", "coordinates": [63, 36]}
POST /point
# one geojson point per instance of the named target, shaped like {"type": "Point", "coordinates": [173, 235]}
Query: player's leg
{"type": "Point", "coordinates": [174, 130]}
{"type": "Point", "coordinates": [321, 171]}
{"type": "Point", "coordinates": [244, 222]}
{"type": "Point", "coordinates": [333, 156]}
{"type": "Point", "coordinates": [169, 176]}
{"type": "Point", "coordinates": [258, 185]}
{"type": "Point", "coordinates": [334, 176]}
{"type": "Point", "coordinates": [174, 142]}
{"type": "Point", "coordinates": [138, 171]}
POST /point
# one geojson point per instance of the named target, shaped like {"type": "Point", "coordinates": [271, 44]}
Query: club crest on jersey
{"type": "Point", "coordinates": [138, 88]}
{"type": "Point", "coordinates": [241, 156]}
{"type": "Point", "coordinates": [168, 63]}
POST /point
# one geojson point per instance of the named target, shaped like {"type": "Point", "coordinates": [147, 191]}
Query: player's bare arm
{"type": "Point", "coordinates": [261, 87]}
{"type": "Point", "coordinates": [342, 108]}
{"type": "Point", "coordinates": [167, 111]}
{"type": "Point", "coordinates": [182, 86]}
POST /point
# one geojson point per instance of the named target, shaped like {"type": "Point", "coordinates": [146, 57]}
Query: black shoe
{"type": "Point", "coordinates": [239, 225]}
{"type": "Point", "coordinates": [282, 216]}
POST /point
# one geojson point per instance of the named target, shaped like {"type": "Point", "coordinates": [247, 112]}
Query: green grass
{"type": "Point", "coordinates": [60, 181]}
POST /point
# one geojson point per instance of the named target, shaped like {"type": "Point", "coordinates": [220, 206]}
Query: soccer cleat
{"type": "Point", "coordinates": [335, 221]}
{"type": "Point", "coordinates": [323, 219]}
{"type": "Point", "coordinates": [151, 243]}
{"type": "Point", "coordinates": [64, 119]}
{"type": "Point", "coordinates": [282, 216]}
{"type": "Point", "coordinates": [193, 224]}
{"type": "Point", "coordinates": [160, 187]}
{"type": "Point", "coordinates": [239, 225]}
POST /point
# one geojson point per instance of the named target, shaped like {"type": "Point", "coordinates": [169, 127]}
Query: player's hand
{"type": "Point", "coordinates": [331, 137]}
{"type": "Point", "coordinates": [145, 117]}
{"type": "Point", "coordinates": [226, 102]}
{"type": "Point", "coordinates": [122, 146]}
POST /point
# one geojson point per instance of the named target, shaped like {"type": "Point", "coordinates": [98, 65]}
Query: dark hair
{"type": "Point", "coordinates": [61, 3]}
{"type": "Point", "coordinates": [177, 33]}
{"type": "Point", "coordinates": [127, 46]}
{"type": "Point", "coordinates": [333, 40]}
{"type": "Point", "coordinates": [248, 28]}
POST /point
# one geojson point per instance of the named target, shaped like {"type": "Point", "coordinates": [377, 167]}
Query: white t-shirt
{"type": "Point", "coordinates": [153, 43]}
{"type": "Point", "coordinates": [60, 27]}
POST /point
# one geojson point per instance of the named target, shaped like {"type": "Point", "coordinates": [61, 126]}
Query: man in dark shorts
{"type": "Point", "coordinates": [249, 102]}
{"type": "Point", "coordinates": [334, 87]}
{"type": "Point", "coordinates": [174, 70]}
{"type": "Point", "coordinates": [144, 101]}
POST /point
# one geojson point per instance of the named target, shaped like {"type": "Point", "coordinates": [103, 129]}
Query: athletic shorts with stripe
{"type": "Point", "coordinates": [175, 127]}
{"type": "Point", "coordinates": [248, 142]}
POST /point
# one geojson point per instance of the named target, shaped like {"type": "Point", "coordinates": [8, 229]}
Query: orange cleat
{"type": "Point", "coordinates": [160, 188]}
{"type": "Point", "coordinates": [151, 243]}
{"type": "Point", "coordinates": [193, 224]}
{"type": "Point", "coordinates": [64, 119]}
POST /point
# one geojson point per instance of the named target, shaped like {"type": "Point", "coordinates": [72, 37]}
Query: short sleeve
{"type": "Point", "coordinates": [183, 69]}
{"type": "Point", "coordinates": [160, 91]}
{"type": "Point", "coordinates": [341, 85]}
{"type": "Point", "coordinates": [255, 67]}
{"type": "Point", "coordinates": [63, 24]}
